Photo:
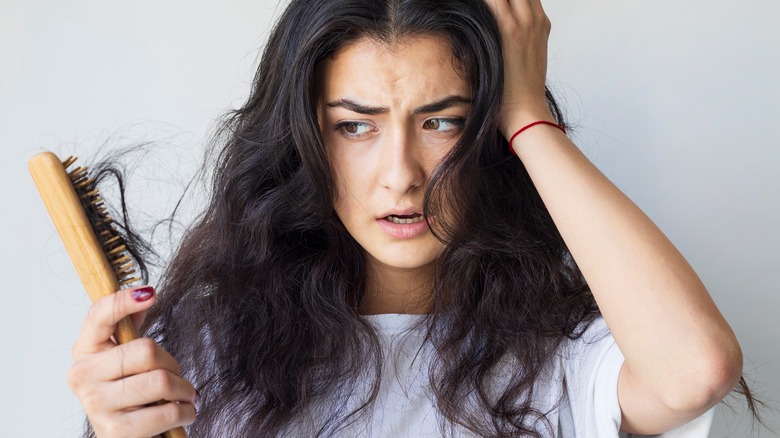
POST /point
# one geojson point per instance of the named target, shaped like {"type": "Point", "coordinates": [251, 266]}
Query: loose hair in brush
{"type": "Point", "coordinates": [96, 243]}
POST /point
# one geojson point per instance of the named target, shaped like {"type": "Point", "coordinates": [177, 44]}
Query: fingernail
{"type": "Point", "coordinates": [143, 293]}
{"type": "Point", "coordinates": [197, 399]}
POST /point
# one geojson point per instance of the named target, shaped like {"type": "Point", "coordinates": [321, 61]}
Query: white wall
{"type": "Point", "coordinates": [677, 102]}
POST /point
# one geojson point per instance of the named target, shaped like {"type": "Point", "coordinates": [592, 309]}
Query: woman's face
{"type": "Point", "coordinates": [389, 114]}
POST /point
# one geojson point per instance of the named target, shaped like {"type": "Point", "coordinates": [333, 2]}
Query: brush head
{"type": "Point", "coordinates": [112, 241]}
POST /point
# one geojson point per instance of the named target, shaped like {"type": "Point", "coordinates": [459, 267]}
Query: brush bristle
{"type": "Point", "coordinates": [113, 243]}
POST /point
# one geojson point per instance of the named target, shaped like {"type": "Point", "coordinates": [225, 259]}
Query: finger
{"type": "Point", "coordinates": [135, 357]}
{"type": "Point", "coordinates": [105, 313]}
{"type": "Point", "coordinates": [138, 319]}
{"type": "Point", "coordinates": [146, 388]}
{"type": "Point", "coordinates": [156, 420]}
{"type": "Point", "coordinates": [524, 6]}
{"type": "Point", "coordinates": [498, 6]}
{"type": "Point", "coordinates": [513, 15]}
{"type": "Point", "coordinates": [527, 10]}
{"type": "Point", "coordinates": [537, 9]}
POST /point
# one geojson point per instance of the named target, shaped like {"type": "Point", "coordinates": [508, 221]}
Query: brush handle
{"type": "Point", "coordinates": [83, 247]}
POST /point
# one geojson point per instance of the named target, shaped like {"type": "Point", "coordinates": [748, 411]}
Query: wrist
{"type": "Point", "coordinates": [512, 122]}
{"type": "Point", "coordinates": [513, 149]}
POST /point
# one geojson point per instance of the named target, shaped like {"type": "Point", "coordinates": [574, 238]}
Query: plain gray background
{"type": "Point", "coordinates": [677, 102]}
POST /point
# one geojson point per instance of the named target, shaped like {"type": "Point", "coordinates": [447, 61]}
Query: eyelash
{"type": "Point", "coordinates": [341, 127]}
{"type": "Point", "coordinates": [457, 123]}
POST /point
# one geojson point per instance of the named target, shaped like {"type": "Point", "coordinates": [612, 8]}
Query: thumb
{"type": "Point", "coordinates": [139, 316]}
{"type": "Point", "coordinates": [138, 319]}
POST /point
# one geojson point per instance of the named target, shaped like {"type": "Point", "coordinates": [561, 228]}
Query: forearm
{"type": "Point", "coordinates": [676, 343]}
{"type": "Point", "coordinates": [681, 356]}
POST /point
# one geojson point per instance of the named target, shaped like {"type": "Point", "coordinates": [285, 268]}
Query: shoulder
{"type": "Point", "coordinates": [591, 340]}
{"type": "Point", "coordinates": [589, 349]}
{"type": "Point", "coordinates": [591, 358]}
{"type": "Point", "coordinates": [590, 363]}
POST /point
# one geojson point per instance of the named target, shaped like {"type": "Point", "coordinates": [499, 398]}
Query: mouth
{"type": "Point", "coordinates": [403, 225]}
{"type": "Point", "coordinates": [402, 219]}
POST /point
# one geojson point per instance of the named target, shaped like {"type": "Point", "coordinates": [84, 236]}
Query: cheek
{"type": "Point", "coordinates": [341, 202]}
{"type": "Point", "coordinates": [353, 166]}
{"type": "Point", "coordinates": [351, 187]}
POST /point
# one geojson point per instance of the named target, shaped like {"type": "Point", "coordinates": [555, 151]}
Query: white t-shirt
{"type": "Point", "coordinates": [590, 365]}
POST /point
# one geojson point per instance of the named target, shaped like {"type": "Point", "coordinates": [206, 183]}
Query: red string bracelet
{"type": "Point", "coordinates": [531, 125]}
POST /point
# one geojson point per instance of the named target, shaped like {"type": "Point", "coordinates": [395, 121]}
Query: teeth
{"type": "Point", "coordinates": [399, 220]}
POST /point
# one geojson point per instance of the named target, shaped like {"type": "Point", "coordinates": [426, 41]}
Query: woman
{"type": "Point", "coordinates": [376, 261]}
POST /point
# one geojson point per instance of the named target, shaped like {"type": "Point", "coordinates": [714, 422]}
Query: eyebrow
{"type": "Point", "coordinates": [439, 105]}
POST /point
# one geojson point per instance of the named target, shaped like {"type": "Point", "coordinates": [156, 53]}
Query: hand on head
{"type": "Point", "coordinates": [525, 29]}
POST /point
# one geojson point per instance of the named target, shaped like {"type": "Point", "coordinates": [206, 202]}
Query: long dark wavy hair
{"type": "Point", "coordinates": [260, 302]}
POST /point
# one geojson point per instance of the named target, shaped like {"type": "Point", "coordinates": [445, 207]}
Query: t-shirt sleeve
{"type": "Point", "coordinates": [591, 366]}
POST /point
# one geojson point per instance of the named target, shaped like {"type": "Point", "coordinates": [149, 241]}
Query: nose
{"type": "Point", "coordinates": [401, 168]}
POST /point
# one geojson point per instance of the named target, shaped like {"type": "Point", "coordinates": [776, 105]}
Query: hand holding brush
{"type": "Point", "coordinates": [129, 386]}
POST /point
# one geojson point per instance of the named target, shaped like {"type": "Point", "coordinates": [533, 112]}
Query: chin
{"type": "Point", "coordinates": [406, 264]}
{"type": "Point", "coordinates": [408, 260]}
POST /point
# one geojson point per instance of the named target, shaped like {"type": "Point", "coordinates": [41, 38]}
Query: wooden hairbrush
{"type": "Point", "coordinates": [96, 248]}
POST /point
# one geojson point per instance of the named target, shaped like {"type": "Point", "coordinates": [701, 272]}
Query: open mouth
{"type": "Point", "coordinates": [405, 219]}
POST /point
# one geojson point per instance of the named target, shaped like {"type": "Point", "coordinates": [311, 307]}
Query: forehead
{"type": "Point", "coordinates": [416, 69]}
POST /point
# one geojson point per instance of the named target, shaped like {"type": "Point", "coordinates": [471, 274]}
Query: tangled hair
{"type": "Point", "coordinates": [259, 304]}
{"type": "Point", "coordinates": [260, 301]}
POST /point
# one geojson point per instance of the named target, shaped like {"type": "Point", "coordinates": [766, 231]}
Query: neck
{"type": "Point", "coordinates": [396, 290]}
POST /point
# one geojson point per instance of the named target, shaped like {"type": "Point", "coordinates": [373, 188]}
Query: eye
{"type": "Point", "coordinates": [354, 129]}
{"type": "Point", "coordinates": [443, 125]}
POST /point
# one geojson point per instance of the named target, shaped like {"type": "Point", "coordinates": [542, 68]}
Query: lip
{"type": "Point", "coordinates": [406, 211]}
{"type": "Point", "coordinates": [403, 231]}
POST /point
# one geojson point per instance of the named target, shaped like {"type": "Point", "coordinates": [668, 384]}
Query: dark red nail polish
{"type": "Point", "coordinates": [143, 293]}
